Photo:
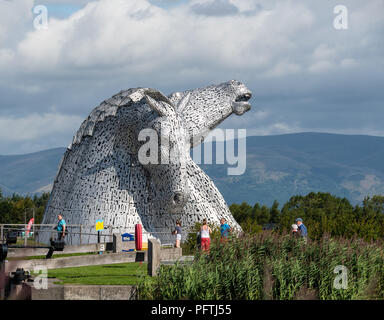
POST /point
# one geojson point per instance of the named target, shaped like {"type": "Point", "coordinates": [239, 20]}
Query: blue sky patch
{"type": "Point", "coordinates": [61, 11]}
{"type": "Point", "coordinates": [166, 4]}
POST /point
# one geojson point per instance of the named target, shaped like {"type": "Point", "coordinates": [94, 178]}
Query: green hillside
{"type": "Point", "coordinates": [285, 165]}
{"type": "Point", "coordinates": [277, 168]}
{"type": "Point", "coordinates": [29, 173]}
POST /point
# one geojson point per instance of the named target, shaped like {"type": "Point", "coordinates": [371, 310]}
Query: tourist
{"type": "Point", "coordinates": [177, 232]}
{"type": "Point", "coordinates": [205, 232]}
{"type": "Point", "coordinates": [198, 240]}
{"type": "Point", "coordinates": [61, 227]}
{"type": "Point", "coordinates": [302, 229]}
{"type": "Point", "coordinates": [225, 229]}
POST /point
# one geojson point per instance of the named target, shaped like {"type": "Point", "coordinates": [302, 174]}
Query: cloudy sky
{"type": "Point", "coordinates": [304, 73]}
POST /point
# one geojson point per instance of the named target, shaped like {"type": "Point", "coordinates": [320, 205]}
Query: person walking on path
{"type": "Point", "coordinates": [177, 232]}
{"type": "Point", "coordinates": [61, 227]}
{"type": "Point", "coordinates": [225, 229]}
{"type": "Point", "coordinates": [205, 232]}
{"type": "Point", "coordinates": [302, 229]}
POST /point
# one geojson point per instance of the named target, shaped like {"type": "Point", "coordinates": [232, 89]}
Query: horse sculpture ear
{"type": "Point", "coordinates": [162, 108]}
{"type": "Point", "coordinates": [183, 103]}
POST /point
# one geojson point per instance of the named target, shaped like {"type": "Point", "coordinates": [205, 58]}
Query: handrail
{"type": "Point", "coordinates": [76, 236]}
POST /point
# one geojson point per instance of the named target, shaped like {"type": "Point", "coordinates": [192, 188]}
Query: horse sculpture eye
{"type": "Point", "coordinates": [177, 198]}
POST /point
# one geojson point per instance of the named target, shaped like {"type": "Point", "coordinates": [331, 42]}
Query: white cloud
{"type": "Point", "coordinates": [286, 51]}
{"type": "Point", "coordinates": [321, 66]}
{"type": "Point", "coordinates": [36, 126]}
{"type": "Point", "coordinates": [246, 5]}
{"type": "Point", "coordinates": [275, 128]}
{"type": "Point", "coordinates": [14, 17]}
{"type": "Point", "coordinates": [136, 37]}
{"type": "Point", "coordinates": [348, 63]}
{"type": "Point", "coordinates": [283, 68]}
{"type": "Point", "coordinates": [324, 52]}
{"type": "Point", "coordinates": [6, 56]}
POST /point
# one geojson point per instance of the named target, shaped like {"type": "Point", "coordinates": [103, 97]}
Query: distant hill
{"type": "Point", "coordinates": [29, 173]}
{"type": "Point", "coordinates": [278, 167]}
{"type": "Point", "coordinates": [281, 166]}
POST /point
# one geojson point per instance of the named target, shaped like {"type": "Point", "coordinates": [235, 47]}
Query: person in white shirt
{"type": "Point", "coordinates": [205, 232]}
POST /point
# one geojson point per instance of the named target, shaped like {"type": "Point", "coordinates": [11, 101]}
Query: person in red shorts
{"type": "Point", "coordinates": [205, 232]}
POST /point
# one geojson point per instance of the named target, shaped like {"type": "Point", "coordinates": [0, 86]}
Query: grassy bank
{"type": "Point", "coordinates": [113, 274]}
{"type": "Point", "coordinates": [270, 266]}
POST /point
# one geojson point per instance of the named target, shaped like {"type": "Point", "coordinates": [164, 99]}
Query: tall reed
{"type": "Point", "coordinates": [241, 268]}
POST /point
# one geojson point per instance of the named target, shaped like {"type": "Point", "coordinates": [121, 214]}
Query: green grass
{"type": "Point", "coordinates": [113, 274]}
{"type": "Point", "coordinates": [30, 242]}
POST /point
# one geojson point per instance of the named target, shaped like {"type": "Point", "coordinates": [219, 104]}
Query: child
{"type": "Point", "coordinates": [177, 232]}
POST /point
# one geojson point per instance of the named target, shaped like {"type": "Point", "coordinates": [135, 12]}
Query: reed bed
{"type": "Point", "coordinates": [272, 266]}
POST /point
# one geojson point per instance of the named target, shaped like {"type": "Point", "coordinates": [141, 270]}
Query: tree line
{"type": "Point", "coordinates": [322, 213]}
{"type": "Point", "coordinates": [16, 209]}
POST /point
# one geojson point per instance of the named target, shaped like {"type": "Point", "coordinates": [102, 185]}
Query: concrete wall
{"type": "Point", "coordinates": [156, 255]}
{"type": "Point", "coordinates": [29, 252]}
{"type": "Point", "coordinates": [153, 257]}
{"type": "Point", "coordinates": [167, 254]}
{"type": "Point", "coordinates": [83, 292]}
{"type": "Point", "coordinates": [106, 258]}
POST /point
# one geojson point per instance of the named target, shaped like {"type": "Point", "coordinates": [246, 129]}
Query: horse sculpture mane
{"type": "Point", "coordinates": [102, 177]}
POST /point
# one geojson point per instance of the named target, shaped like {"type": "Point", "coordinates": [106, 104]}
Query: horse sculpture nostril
{"type": "Point", "coordinates": [178, 198]}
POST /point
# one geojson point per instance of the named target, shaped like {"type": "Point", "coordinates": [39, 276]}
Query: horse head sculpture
{"type": "Point", "coordinates": [129, 161]}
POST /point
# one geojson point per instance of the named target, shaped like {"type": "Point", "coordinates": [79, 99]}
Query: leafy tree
{"type": "Point", "coordinates": [275, 212]}
{"type": "Point", "coordinates": [373, 205]}
{"type": "Point", "coordinates": [241, 212]}
{"type": "Point", "coordinates": [250, 226]}
{"type": "Point", "coordinates": [322, 213]}
{"type": "Point", "coordinates": [16, 208]}
{"type": "Point", "coordinates": [264, 215]}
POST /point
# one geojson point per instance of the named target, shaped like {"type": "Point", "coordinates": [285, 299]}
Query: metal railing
{"type": "Point", "coordinates": [39, 233]}
{"type": "Point", "coordinates": [79, 234]}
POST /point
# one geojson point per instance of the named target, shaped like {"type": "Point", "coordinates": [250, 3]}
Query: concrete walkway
{"type": "Point", "coordinates": [77, 261]}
